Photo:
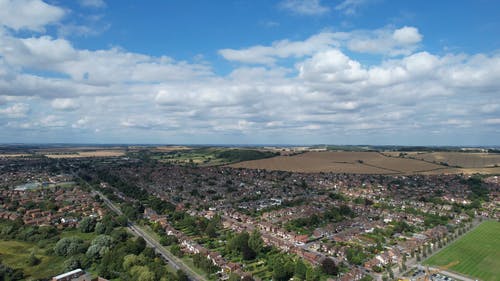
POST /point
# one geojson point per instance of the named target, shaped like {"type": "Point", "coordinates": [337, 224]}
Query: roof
{"type": "Point", "coordinates": [69, 273]}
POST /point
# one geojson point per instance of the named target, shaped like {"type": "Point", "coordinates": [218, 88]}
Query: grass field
{"type": "Point", "coordinates": [16, 253]}
{"type": "Point", "coordinates": [477, 253]}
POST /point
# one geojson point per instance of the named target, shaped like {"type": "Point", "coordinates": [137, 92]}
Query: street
{"type": "Point", "coordinates": [169, 257]}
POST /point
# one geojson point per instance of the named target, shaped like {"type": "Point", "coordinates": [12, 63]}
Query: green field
{"type": "Point", "coordinates": [212, 156]}
{"type": "Point", "coordinates": [16, 253]}
{"type": "Point", "coordinates": [477, 253]}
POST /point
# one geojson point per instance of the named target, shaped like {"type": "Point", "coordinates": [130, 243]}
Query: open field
{"type": "Point", "coordinates": [84, 154]}
{"type": "Point", "coordinates": [358, 163]}
{"type": "Point", "coordinates": [341, 162]}
{"type": "Point", "coordinates": [476, 254]}
{"type": "Point", "coordinates": [16, 253]}
{"type": "Point", "coordinates": [212, 156]}
{"type": "Point", "coordinates": [464, 160]}
{"type": "Point", "coordinates": [171, 148]}
{"type": "Point", "coordinates": [14, 155]}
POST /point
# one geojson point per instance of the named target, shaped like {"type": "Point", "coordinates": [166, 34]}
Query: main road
{"type": "Point", "coordinates": [174, 261]}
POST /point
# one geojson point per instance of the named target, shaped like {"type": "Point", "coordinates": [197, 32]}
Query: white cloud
{"type": "Point", "coordinates": [28, 14]}
{"type": "Point", "coordinates": [387, 41]}
{"type": "Point", "coordinates": [100, 67]}
{"type": "Point", "coordinates": [17, 110]}
{"type": "Point", "coordinates": [407, 35]}
{"type": "Point", "coordinates": [304, 7]}
{"type": "Point", "coordinates": [316, 89]}
{"type": "Point", "coordinates": [81, 123]}
{"type": "Point", "coordinates": [492, 121]}
{"type": "Point", "coordinates": [332, 66]}
{"type": "Point", "coordinates": [64, 104]}
{"type": "Point", "coordinates": [280, 49]}
{"type": "Point", "coordinates": [349, 7]}
{"type": "Point", "coordinates": [51, 121]}
{"type": "Point", "coordinates": [93, 3]}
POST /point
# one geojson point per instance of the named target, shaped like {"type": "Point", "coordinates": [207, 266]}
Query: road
{"type": "Point", "coordinates": [451, 274]}
{"type": "Point", "coordinates": [413, 263]}
{"type": "Point", "coordinates": [151, 241]}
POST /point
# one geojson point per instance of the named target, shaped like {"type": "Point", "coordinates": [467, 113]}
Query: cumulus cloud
{"type": "Point", "coordinates": [315, 90]}
{"type": "Point", "coordinates": [349, 7]}
{"type": "Point", "coordinates": [280, 49]}
{"type": "Point", "coordinates": [407, 35]}
{"type": "Point", "coordinates": [305, 7]}
{"type": "Point", "coordinates": [81, 123]}
{"type": "Point", "coordinates": [93, 3]}
{"type": "Point", "coordinates": [387, 41]}
{"type": "Point", "coordinates": [28, 14]}
{"type": "Point", "coordinates": [17, 110]}
{"type": "Point", "coordinates": [64, 104]}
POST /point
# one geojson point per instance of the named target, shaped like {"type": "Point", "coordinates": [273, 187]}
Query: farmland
{"type": "Point", "coordinates": [212, 156]}
{"type": "Point", "coordinates": [85, 154]}
{"type": "Point", "coordinates": [459, 159]}
{"type": "Point", "coordinates": [341, 162]}
{"type": "Point", "coordinates": [366, 163]}
{"type": "Point", "coordinates": [477, 254]}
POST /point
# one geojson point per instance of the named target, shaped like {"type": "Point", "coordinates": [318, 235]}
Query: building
{"type": "Point", "coordinates": [74, 275]}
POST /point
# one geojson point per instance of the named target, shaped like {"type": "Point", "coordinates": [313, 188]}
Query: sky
{"type": "Point", "coordinates": [250, 72]}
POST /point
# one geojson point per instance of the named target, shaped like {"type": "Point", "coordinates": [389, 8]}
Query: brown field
{"type": "Point", "coordinates": [341, 162]}
{"type": "Point", "coordinates": [14, 155]}
{"type": "Point", "coordinates": [461, 159]}
{"type": "Point", "coordinates": [85, 154]}
{"type": "Point", "coordinates": [355, 163]}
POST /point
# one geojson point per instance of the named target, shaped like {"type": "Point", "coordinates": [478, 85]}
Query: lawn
{"type": "Point", "coordinates": [16, 253]}
{"type": "Point", "coordinates": [476, 254]}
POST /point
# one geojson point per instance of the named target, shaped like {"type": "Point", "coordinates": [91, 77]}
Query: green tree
{"type": "Point", "coordinates": [300, 269]}
{"type": "Point", "coordinates": [181, 276]}
{"type": "Point", "coordinates": [176, 250]}
{"type": "Point", "coordinates": [33, 260]}
{"type": "Point", "coordinates": [329, 267]}
{"type": "Point", "coordinates": [87, 225]}
{"type": "Point", "coordinates": [312, 274]}
{"type": "Point", "coordinates": [211, 230]}
{"type": "Point", "coordinates": [234, 277]}
{"type": "Point", "coordinates": [279, 272]}
{"type": "Point", "coordinates": [255, 242]}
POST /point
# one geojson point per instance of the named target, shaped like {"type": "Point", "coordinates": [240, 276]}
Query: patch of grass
{"type": "Point", "coordinates": [213, 156]}
{"type": "Point", "coordinates": [476, 254]}
{"type": "Point", "coordinates": [77, 233]}
{"type": "Point", "coordinates": [15, 254]}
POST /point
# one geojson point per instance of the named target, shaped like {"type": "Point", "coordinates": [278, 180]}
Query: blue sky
{"type": "Point", "coordinates": [250, 72]}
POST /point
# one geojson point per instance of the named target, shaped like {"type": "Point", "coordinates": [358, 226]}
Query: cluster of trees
{"type": "Point", "coordinates": [205, 264]}
{"type": "Point", "coordinates": [195, 225]}
{"type": "Point", "coordinates": [238, 155]}
{"type": "Point", "coordinates": [10, 230]}
{"type": "Point", "coordinates": [355, 255]}
{"type": "Point", "coordinates": [478, 189]}
{"type": "Point", "coordinates": [285, 268]}
{"type": "Point", "coordinates": [431, 220]}
{"type": "Point", "coordinates": [334, 214]}
{"type": "Point", "coordinates": [8, 273]}
{"type": "Point", "coordinates": [115, 256]}
{"type": "Point", "coordinates": [248, 245]}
